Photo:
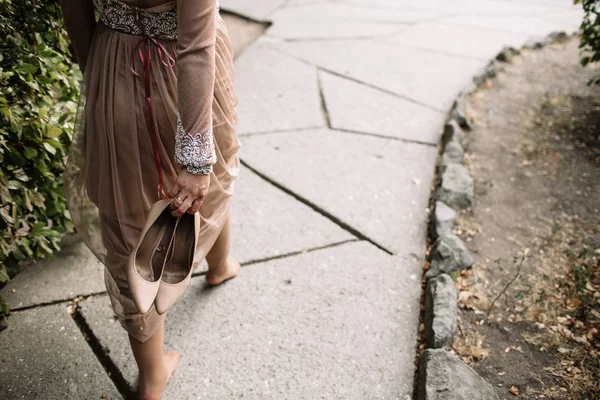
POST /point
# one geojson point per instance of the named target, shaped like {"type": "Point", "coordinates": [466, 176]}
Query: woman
{"type": "Point", "coordinates": [157, 118]}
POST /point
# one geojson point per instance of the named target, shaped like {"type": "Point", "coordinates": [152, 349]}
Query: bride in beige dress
{"type": "Point", "coordinates": [157, 118]}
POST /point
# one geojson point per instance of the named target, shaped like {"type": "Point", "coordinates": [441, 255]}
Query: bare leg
{"type": "Point", "coordinates": [155, 365]}
{"type": "Point", "coordinates": [221, 265]}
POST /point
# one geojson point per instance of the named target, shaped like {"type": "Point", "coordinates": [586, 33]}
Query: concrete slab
{"type": "Point", "coordinates": [276, 92]}
{"type": "Point", "coordinates": [44, 356]}
{"type": "Point", "coordinates": [257, 10]}
{"type": "Point", "coordinates": [356, 107]}
{"type": "Point", "coordinates": [267, 222]}
{"type": "Point", "coordinates": [467, 41]}
{"type": "Point", "coordinates": [75, 271]}
{"type": "Point", "coordinates": [480, 7]}
{"type": "Point", "coordinates": [329, 20]}
{"type": "Point", "coordinates": [535, 25]}
{"type": "Point", "coordinates": [430, 78]}
{"type": "Point", "coordinates": [378, 186]}
{"type": "Point", "coordinates": [335, 323]}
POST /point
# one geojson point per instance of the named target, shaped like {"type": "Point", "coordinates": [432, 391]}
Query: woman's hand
{"type": "Point", "coordinates": [188, 193]}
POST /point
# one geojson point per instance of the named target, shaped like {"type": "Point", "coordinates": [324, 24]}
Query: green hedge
{"type": "Point", "coordinates": [590, 32]}
{"type": "Point", "coordinates": [38, 99]}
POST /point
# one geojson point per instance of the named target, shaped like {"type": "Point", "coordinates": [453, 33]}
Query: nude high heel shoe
{"type": "Point", "coordinates": [178, 270]}
{"type": "Point", "coordinates": [145, 266]}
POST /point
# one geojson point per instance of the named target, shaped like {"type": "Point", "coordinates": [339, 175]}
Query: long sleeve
{"type": "Point", "coordinates": [196, 35]}
{"type": "Point", "coordinates": [80, 24]}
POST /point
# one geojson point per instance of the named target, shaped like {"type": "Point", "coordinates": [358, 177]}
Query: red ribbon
{"type": "Point", "coordinates": [145, 44]}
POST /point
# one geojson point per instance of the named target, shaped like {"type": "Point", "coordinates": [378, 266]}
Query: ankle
{"type": "Point", "coordinates": [153, 379]}
{"type": "Point", "coordinates": [219, 265]}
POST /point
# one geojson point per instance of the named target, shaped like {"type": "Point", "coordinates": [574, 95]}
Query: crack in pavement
{"type": "Point", "coordinates": [111, 369]}
{"type": "Point", "coordinates": [324, 109]}
{"type": "Point", "coordinates": [355, 80]}
{"type": "Point", "coordinates": [355, 232]}
{"type": "Point", "coordinates": [55, 302]}
{"type": "Point", "coordinates": [380, 136]}
{"type": "Point", "coordinates": [308, 128]}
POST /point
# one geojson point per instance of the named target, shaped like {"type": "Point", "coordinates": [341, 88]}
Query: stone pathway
{"type": "Point", "coordinates": [342, 105]}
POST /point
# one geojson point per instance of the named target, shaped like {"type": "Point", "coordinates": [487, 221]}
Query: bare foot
{"type": "Point", "coordinates": [153, 390]}
{"type": "Point", "coordinates": [219, 274]}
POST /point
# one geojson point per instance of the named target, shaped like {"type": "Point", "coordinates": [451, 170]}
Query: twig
{"type": "Point", "coordinates": [519, 267]}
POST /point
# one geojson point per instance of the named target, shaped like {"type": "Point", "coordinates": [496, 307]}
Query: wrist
{"type": "Point", "coordinates": [203, 170]}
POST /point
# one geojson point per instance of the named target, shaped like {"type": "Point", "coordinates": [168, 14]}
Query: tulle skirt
{"type": "Point", "coordinates": [111, 178]}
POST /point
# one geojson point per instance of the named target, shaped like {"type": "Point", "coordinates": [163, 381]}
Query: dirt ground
{"type": "Point", "coordinates": [534, 230]}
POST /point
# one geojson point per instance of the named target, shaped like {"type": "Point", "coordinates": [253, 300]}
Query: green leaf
{"type": "Point", "coordinates": [26, 68]}
{"type": "Point", "coordinates": [53, 131]}
{"type": "Point", "coordinates": [49, 148]}
{"type": "Point", "coordinates": [17, 158]}
{"type": "Point", "coordinates": [14, 185]}
{"type": "Point", "coordinates": [30, 153]}
{"type": "Point", "coordinates": [3, 275]}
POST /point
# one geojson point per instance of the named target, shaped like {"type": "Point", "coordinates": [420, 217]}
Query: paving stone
{"type": "Point", "coordinates": [507, 54]}
{"type": "Point", "coordinates": [453, 154]}
{"type": "Point", "coordinates": [257, 10]}
{"type": "Point", "coordinates": [427, 77]}
{"type": "Point", "coordinates": [330, 20]}
{"type": "Point", "coordinates": [452, 131]}
{"type": "Point", "coordinates": [276, 92]}
{"type": "Point", "coordinates": [45, 356]}
{"type": "Point", "coordinates": [356, 107]}
{"type": "Point", "coordinates": [466, 41]}
{"type": "Point", "coordinates": [443, 376]}
{"type": "Point", "coordinates": [318, 325]}
{"type": "Point", "coordinates": [441, 311]}
{"type": "Point", "coordinates": [448, 254]}
{"type": "Point", "coordinates": [74, 271]}
{"type": "Point", "coordinates": [377, 186]}
{"type": "Point", "coordinates": [456, 188]}
{"type": "Point", "coordinates": [266, 222]}
{"type": "Point", "coordinates": [443, 220]}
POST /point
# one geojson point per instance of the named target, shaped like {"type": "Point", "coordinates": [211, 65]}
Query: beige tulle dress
{"type": "Point", "coordinates": [178, 55]}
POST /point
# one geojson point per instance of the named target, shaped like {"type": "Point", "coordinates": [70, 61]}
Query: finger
{"type": "Point", "coordinates": [195, 207]}
{"type": "Point", "coordinates": [175, 189]}
{"type": "Point", "coordinates": [184, 207]}
{"type": "Point", "coordinates": [178, 201]}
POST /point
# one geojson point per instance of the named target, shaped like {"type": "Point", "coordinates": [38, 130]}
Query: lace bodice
{"type": "Point", "coordinates": [136, 21]}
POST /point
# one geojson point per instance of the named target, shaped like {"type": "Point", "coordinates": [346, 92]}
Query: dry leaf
{"type": "Point", "coordinates": [514, 390]}
{"type": "Point", "coordinates": [575, 302]}
{"type": "Point", "coordinates": [464, 296]}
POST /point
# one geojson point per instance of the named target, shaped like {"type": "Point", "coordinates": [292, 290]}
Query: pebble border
{"type": "Point", "coordinates": [453, 193]}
